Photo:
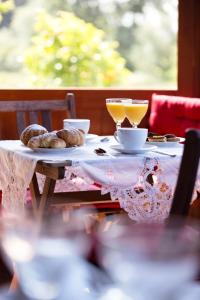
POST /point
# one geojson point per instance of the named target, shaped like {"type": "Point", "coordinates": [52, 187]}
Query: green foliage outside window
{"type": "Point", "coordinates": [5, 6]}
{"type": "Point", "coordinates": [145, 30]}
{"type": "Point", "coordinates": [67, 51]}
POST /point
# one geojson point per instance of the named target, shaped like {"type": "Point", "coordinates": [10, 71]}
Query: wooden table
{"type": "Point", "coordinates": [127, 178]}
{"type": "Point", "coordinates": [54, 171]}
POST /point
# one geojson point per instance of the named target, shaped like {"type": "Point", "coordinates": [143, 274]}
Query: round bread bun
{"type": "Point", "coordinates": [31, 131]}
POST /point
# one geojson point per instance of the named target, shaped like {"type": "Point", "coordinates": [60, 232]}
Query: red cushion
{"type": "Point", "coordinates": [111, 205]}
{"type": "Point", "coordinates": [174, 114]}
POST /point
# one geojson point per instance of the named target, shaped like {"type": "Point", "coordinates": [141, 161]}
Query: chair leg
{"type": "Point", "coordinates": [194, 211]}
{"type": "Point", "coordinates": [14, 283]}
{"type": "Point", "coordinates": [5, 273]}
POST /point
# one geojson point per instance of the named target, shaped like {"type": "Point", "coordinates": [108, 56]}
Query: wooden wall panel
{"type": "Point", "coordinates": [89, 104]}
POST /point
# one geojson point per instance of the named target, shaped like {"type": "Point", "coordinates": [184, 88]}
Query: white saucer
{"type": "Point", "coordinates": [90, 136]}
{"type": "Point", "coordinates": [166, 144]}
{"type": "Point", "coordinates": [144, 149]}
{"type": "Point", "coordinates": [54, 150]}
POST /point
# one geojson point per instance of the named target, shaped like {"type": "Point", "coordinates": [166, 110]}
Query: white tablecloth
{"type": "Point", "coordinates": [123, 176]}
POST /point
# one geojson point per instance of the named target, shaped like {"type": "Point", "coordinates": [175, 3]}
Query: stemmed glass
{"type": "Point", "coordinates": [135, 110]}
{"type": "Point", "coordinates": [115, 107]}
{"type": "Point", "coordinates": [150, 261]}
{"type": "Point", "coordinates": [48, 257]}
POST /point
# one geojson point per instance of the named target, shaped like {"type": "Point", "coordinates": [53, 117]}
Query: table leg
{"type": "Point", "coordinates": [35, 193]}
{"type": "Point", "coordinates": [47, 194]}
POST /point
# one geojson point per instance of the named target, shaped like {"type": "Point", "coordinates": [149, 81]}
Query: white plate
{"type": "Point", "coordinates": [54, 150]}
{"type": "Point", "coordinates": [90, 136]}
{"type": "Point", "coordinates": [120, 149]}
{"type": "Point", "coordinates": [166, 144]}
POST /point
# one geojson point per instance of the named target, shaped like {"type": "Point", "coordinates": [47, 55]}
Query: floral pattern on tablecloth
{"type": "Point", "coordinates": [14, 180]}
{"type": "Point", "coordinates": [149, 196]}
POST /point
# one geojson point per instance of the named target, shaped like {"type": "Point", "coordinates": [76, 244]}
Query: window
{"type": "Point", "coordinates": [126, 44]}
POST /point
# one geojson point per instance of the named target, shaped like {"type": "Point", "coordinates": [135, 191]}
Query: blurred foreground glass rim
{"type": "Point", "coordinates": [174, 237]}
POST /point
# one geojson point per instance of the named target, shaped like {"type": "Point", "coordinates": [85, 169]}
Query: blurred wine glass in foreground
{"type": "Point", "coordinates": [150, 261]}
{"type": "Point", "coordinates": [48, 257]}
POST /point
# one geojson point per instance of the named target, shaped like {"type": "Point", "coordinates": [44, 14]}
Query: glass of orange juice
{"type": "Point", "coordinates": [135, 110]}
{"type": "Point", "coordinates": [115, 107]}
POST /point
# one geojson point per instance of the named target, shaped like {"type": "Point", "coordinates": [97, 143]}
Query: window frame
{"type": "Point", "coordinates": [188, 77]}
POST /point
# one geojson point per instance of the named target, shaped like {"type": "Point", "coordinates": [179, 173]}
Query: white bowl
{"type": "Point", "coordinates": [83, 124]}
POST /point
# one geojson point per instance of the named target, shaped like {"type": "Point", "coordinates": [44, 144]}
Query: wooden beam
{"type": "Point", "coordinates": [83, 197]}
{"type": "Point", "coordinates": [189, 48]}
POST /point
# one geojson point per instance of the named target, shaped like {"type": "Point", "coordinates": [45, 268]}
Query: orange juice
{"type": "Point", "coordinates": [116, 110]}
{"type": "Point", "coordinates": [135, 112]}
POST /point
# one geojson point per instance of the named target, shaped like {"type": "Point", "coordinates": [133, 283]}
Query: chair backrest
{"type": "Point", "coordinates": [38, 111]}
{"type": "Point", "coordinates": [174, 114]}
{"type": "Point", "coordinates": [187, 174]}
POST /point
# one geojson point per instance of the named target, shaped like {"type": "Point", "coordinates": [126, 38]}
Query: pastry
{"type": "Point", "coordinates": [57, 143]}
{"type": "Point", "coordinates": [46, 140]}
{"type": "Point", "coordinates": [150, 134]}
{"type": "Point", "coordinates": [157, 138]}
{"type": "Point", "coordinates": [72, 136]}
{"type": "Point", "coordinates": [31, 131]}
{"type": "Point", "coordinates": [172, 138]}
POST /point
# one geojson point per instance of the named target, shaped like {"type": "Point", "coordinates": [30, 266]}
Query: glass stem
{"type": "Point", "coordinates": [118, 125]}
{"type": "Point", "coordinates": [134, 125]}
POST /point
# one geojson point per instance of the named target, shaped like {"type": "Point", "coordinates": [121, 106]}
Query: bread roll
{"type": "Point", "coordinates": [72, 136]}
{"type": "Point", "coordinates": [57, 143]}
{"type": "Point", "coordinates": [30, 131]}
{"type": "Point", "coordinates": [34, 142]}
{"type": "Point", "coordinates": [46, 140]}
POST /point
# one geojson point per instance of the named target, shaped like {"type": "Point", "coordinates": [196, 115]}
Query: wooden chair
{"type": "Point", "coordinates": [29, 112]}
{"type": "Point", "coordinates": [38, 111]}
{"type": "Point", "coordinates": [187, 174]}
